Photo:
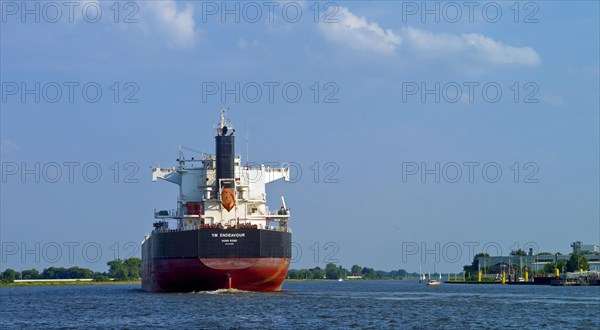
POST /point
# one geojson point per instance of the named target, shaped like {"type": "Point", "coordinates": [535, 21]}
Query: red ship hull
{"type": "Point", "coordinates": [188, 275]}
{"type": "Point", "coordinates": [211, 259]}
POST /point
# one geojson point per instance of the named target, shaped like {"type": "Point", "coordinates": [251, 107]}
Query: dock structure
{"type": "Point", "coordinates": [534, 262]}
{"type": "Point", "coordinates": [587, 278]}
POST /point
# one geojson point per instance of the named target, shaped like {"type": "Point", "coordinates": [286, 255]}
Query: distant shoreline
{"type": "Point", "coordinates": [78, 282]}
{"type": "Point", "coordinates": [66, 283]}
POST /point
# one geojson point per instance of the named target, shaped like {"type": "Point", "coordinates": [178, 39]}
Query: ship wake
{"type": "Point", "coordinates": [223, 292]}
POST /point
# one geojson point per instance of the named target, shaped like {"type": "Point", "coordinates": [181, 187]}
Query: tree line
{"type": "Point", "coordinates": [574, 264]}
{"type": "Point", "coordinates": [333, 272]}
{"type": "Point", "coordinates": [119, 270]}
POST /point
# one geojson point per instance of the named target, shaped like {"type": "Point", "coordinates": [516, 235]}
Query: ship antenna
{"type": "Point", "coordinates": [224, 124]}
{"type": "Point", "coordinates": [223, 112]}
{"type": "Point", "coordinates": [247, 144]}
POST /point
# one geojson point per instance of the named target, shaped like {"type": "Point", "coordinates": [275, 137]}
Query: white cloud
{"type": "Point", "coordinates": [357, 33]}
{"type": "Point", "coordinates": [7, 146]}
{"type": "Point", "coordinates": [429, 42]}
{"type": "Point", "coordinates": [161, 18]}
{"type": "Point", "coordinates": [500, 53]}
{"type": "Point", "coordinates": [178, 26]}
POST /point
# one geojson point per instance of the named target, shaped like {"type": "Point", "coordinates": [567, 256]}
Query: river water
{"type": "Point", "coordinates": [305, 305]}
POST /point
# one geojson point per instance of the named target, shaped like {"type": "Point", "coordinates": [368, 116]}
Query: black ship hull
{"type": "Point", "coordinates": [210, 259]}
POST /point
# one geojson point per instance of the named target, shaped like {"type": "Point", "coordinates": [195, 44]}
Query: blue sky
{"type": "Point", "coordinates": [371, 63]}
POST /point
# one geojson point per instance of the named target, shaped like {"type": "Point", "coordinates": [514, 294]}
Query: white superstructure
{"type": "Point", "coordinates": [200, 202]}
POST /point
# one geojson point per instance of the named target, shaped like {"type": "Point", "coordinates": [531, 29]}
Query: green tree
{"type": "Point", "coordinates": [10, 275]}
{"type": "Point", "coordinates": [576, 262]}
{"type": "Point", "coordinates": [99, 277]}
{"type": "Point", "coordinates": [474, 266]}
{"type": "Point", "coordinates": [293, 274]}
{"type": "Point", "coordinates": [117, 270]}
{"type": "Point", "coordinates": [549, 267]}
{"type": "Point", "coordinates": [381, 274]}
{"type": "Point", "coordinates": [518, 252]}
{"type": "Point", "coordinates": [368, 272]}
{"type": "Point", "coordinates": [50, 272]}
{"type": "Point", "coordinates": [76, 272]}
{"type": "Point", "coordinates": [355, 270]}
{"type": "Point", "coordinates": [402, 272]}
{"type": "Point", "coordinates": [30, 274]}
{"type": "Point", "coordinates": [331, 271]}
{"type": "Point", "coordinates": [134, 268]}
{"type": "Point", "coordinates": [318, 273]}
{"type": "Point", "coordinates": [63, 272]}
{"type": "Point", "coordinates": [307, 274]}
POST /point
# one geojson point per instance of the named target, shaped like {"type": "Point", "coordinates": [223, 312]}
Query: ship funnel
{"type": "Point", "coordinates": [225, 151]}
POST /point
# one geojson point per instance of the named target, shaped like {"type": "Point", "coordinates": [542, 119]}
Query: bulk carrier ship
{"type": "Point", "coordinates": [224, 236]}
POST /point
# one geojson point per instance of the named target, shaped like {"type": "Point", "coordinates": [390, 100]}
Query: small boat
{"type": "Point", "coordinates": [434, 282]}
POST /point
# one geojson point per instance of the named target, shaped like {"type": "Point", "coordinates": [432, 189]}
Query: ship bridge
{"type": "Point", "coordinates": [216, 190]}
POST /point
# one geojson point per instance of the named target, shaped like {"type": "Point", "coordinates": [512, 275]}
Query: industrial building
{"type": "Point", "coordinates": [536, 262]}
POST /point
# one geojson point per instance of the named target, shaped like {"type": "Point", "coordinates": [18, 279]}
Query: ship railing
{"type": "Point", "coordinates": [165, 214]}
{"type": "Point", "coordinates": [279, 215]}
{"type": "Point", "coordinates": [200, 227]}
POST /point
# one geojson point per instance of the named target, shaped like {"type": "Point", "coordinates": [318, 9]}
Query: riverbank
{"type": "Point", "coordinates": [65, 283]}
{"type": "Point", "coordinates": [348, 279]}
